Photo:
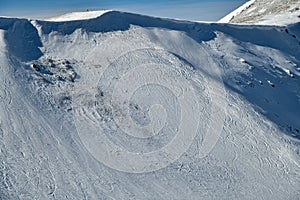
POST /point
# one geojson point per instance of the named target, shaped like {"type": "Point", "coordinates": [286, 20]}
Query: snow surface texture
{"type": "Point", "coordinates": [125, 106]}
{"type": "Point", "coordinates": [265, 12]}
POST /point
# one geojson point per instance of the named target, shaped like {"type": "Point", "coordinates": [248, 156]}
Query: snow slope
{"type": "Point", "coordinates": [125, 106]}
{"type": "Point", "coordinates": [78, 16]}
{"type": "Point", "coordinates": [265, 12]}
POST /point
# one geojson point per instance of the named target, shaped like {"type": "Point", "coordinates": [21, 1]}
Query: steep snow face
{"type": "Point", "coordinates": [132, 107]}
{"type": "Point", "coordinates": [275, 12]}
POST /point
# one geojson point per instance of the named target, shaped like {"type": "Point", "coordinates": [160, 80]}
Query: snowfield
{"type": "Point", "coordinates": [124, 106]}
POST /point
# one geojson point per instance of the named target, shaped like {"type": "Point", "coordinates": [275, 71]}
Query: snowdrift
{"type": "Point", "coordinates": [125, 106]}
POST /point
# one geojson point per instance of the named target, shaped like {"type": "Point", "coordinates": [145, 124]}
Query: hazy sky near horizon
{"type": "Point", "coordinates": [197, 10]}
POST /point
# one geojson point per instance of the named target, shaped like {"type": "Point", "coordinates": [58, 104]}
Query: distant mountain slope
{"type": "Point", "coordinates": [124, 106]}
{"type": "Point", "coordinates": [78, 16]}
{"type": "Point", "coordinates": [274, 12]}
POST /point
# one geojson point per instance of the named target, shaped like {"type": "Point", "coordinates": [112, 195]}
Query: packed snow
{"type": "Point", "coordinates": [123, 106]}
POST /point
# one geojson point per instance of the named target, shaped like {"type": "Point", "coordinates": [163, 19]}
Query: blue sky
{"type": "Point", "coordinates": [200, 10]}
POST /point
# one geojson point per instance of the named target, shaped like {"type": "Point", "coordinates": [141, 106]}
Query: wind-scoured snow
{"type": "Point", "coordinates": [124, 106]}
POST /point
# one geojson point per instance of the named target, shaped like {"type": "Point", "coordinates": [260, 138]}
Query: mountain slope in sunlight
{"type": "Point", "coordinates": [275, 12]}
{"type": "Point", "coordinates": [78, 16]}
{"type": "Point", "coordinates": [125, 106]}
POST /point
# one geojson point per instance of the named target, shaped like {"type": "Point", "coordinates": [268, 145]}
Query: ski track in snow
{"type": "Point", "coordinates": [52, 128]}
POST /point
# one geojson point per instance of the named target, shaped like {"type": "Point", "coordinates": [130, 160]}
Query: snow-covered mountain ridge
{"type": "Point", "coordinates": [125, 106]}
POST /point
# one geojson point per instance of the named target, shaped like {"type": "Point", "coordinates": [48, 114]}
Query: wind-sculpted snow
{"type": "Point", "coordinates": [132, 107]}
